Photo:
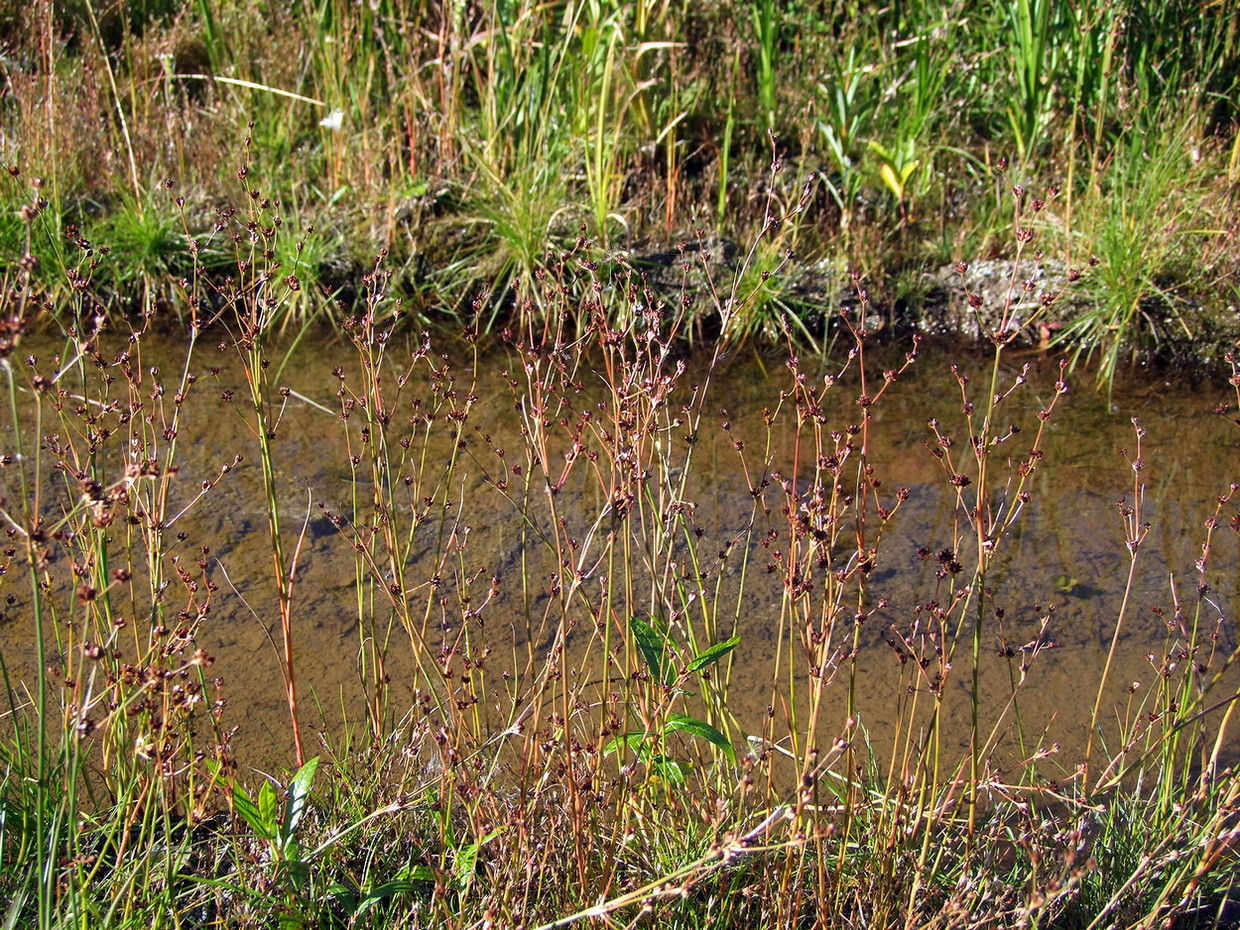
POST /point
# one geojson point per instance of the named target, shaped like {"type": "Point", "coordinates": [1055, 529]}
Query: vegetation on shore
{"type": "Point", "coordinates": [564, 750]}
{"type": "Point", "coordinates": [476, 141]}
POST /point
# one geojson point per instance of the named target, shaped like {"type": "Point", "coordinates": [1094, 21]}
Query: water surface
{"type": "Point", "coordinates": [1057, 582]}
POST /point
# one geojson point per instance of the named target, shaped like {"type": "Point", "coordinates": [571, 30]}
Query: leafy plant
{"type": "Point", "coordinates": [153, 242]}
{"type": "Point", "coordinates": [915, 94]}
{"type": "Point", "coordinates": [764, 305]}
{"type": "Point", "coordinates": [766, 22]}
{"type": "Point", "coordinates": [1031, 28]}
{"type": "Point", "coordinates": [1142, 244]}
{"type": "Point", "coordinates": [851, 99]}
{"type": "Point", "coordinates": [522, 154]}
{"type": "Point", "coordinates": [662, 662]}
{"type": "Point", "coordinates": [275, 822]}
{"type": "Point", "coordinates": [276, 819]}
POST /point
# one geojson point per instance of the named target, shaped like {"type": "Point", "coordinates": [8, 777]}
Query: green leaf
{"type": "Point", "coordinates": [467, 856]}
{"type": "Point", "coordinates": [699, 728]}
{"type": "Point", "coordinates": [251, 814]}
{"type": "Point", "coordinates": [669, 770]}
{"type": "Point", "coordinates": [267, 807]}
{"type": "Point", "coordinates": [417, 873]}
{"type": "Point", "coordinates": [408, 880]}
{"type": "Point", "coordinates": [299, 795]}
{"type": "Point", "coordinates": [654, 647]}
{"type": "Point", "coordinates": [14, 913]}
{"type": "Point", "coordinates": [382, 892]}
{"type": "Point", "coordinates": [894, 184]}
{"type": "Point", "coordinates": [345, 896]}
{"type": "Point", "coordinates": [714, 653]}
{"type": "Point", "coordinates": [633, 741]}
{"type": "Point", "coordinates": [298, 872]}
{"type": "Point", "coordinates": [886, 154]}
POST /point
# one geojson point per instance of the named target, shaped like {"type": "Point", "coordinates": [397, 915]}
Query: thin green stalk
{"type": "Point", "coordinates": [1135, 531]}
{"type": "Point", "coordinates": [725, 148]}
{"type": "Point", "coordinates": [47, 805]}
{"type": "Point", "coordinates": [284, 571]}
{"type": "Point", "coordinates": [116, 100]}
{"type": "Point", "coordinates": [981, 526]}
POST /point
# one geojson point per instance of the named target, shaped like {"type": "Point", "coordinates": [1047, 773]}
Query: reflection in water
{"type": "Point", "coordinates": [1051, 602]}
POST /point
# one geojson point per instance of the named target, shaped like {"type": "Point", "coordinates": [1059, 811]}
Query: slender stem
{"type": "Point", "coordinates": [1134, 531]}
{"type": "Point", "coordinates": [283, 571]}
{"type": "Point", "coordinates": [1106, 673]}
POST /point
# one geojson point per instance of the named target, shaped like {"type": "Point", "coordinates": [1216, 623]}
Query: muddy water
{"type": "Point", "coordinates": [1058, 579]}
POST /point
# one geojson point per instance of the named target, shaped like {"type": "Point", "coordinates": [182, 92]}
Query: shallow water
{"type": "Point", "coordinates": [1058, 577]}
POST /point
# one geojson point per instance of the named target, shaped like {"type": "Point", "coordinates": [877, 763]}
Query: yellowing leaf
{"type": "Point", "coordinates": [893, 182]}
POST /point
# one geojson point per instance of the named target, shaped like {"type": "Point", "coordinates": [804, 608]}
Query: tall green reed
{"type": "Point", "coordinates": [1031, 29]}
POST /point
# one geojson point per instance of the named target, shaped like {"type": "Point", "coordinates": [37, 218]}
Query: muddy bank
{"type": "Point", "coordinates": [1044, 300]}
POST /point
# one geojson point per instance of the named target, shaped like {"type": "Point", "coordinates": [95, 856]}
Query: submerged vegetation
{"type": "Point", "coordinates": [553, 737]}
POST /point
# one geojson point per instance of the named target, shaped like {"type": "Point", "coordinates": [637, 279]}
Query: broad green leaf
{"type": "Point", "coordinates": [378, 895]}
{"type": "Point", "coordinates": [654, 647]}
{"type": "Point", "coordinates": [298, 872]}
{"type": "Point", "coordinates": [668, 769]}
{"type": "Point", "coordinates": [714, 653]}
{"type": "Point", "coordinates": [416, 873]}
{"type": "Point", "coordinates": [633, 741]}
{"type": "Point", "coordinates": [387, 890]}
{"type": "Point", "coordinates": [466, 856]}
{"type": "Point", "coordinates": [267, 807]}
{"type": "Point", "coordinates": [699, 728]}
{"type": "Point", "coordinates": [345, 896]}
{"type": "Point", "coordinates": [410, 879]}
{"type": "Point", "coordinates": [882, 151]}
{"type": "Point", "coordinates": [299, 795]}
{"type": "Point", "coordinates": [250, 814]}
{"type": "Point", "coordinates": [894, 184]}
